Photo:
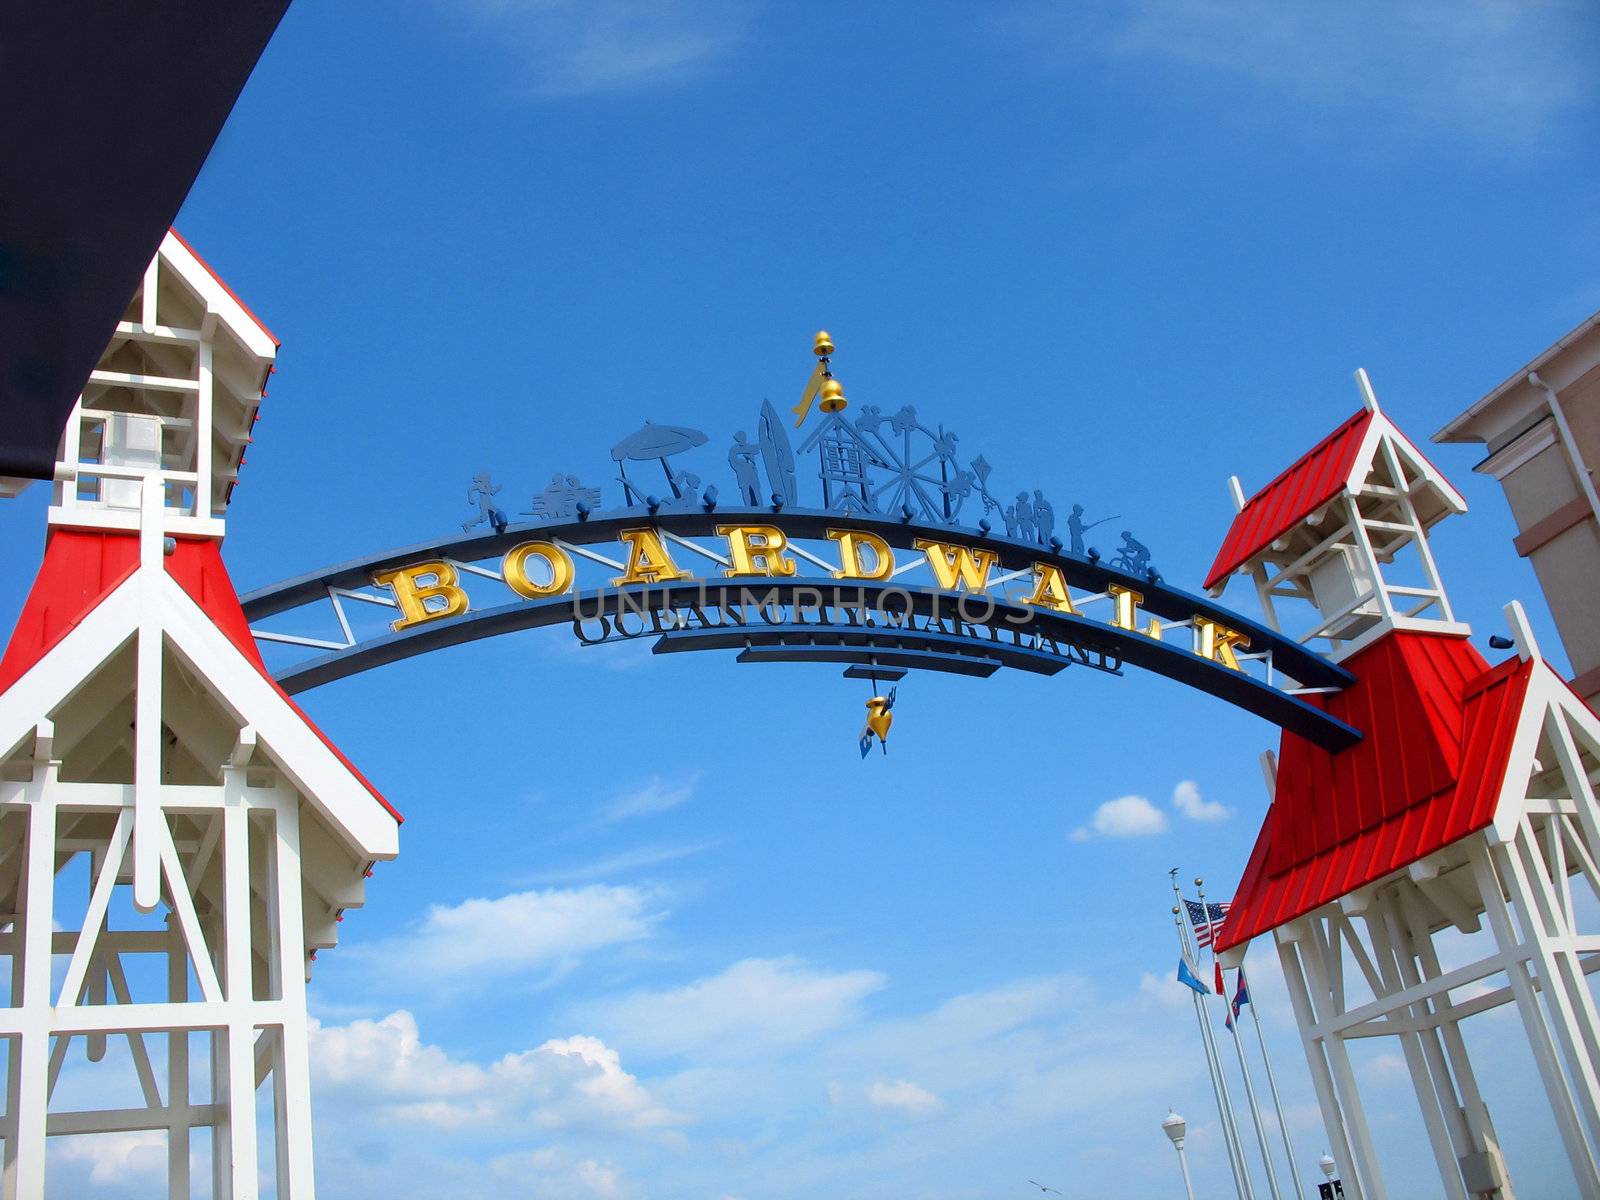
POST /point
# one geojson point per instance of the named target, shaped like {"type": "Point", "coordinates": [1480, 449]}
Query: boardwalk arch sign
{"type": "Point", "coordinates": [875, 571]}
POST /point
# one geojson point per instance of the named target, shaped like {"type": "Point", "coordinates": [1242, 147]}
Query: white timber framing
{"type": "Point", "coordinates": [231, 961]}
{"type": "Point", "coordinates": [188, 355]}
{"type": "Point", "coordinates": [1527, 888]}
{"type": "Point", "coordinates": [1372, 523]}
{"type": "Point", "coordinates": [218, 839]}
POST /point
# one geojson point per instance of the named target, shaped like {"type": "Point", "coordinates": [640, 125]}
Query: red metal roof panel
{"type": "Point", "coordinates": [1317, 477]}
{"type": "Point", "coordinates": [1439, 726]}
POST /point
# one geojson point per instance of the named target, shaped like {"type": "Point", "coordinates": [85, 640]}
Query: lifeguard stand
{"type": "Point", "coordinates": [172, 827]}
{"type": "Point", "coordinates": [1470, 798]}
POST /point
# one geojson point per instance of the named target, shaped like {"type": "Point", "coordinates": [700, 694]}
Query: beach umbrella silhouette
{"type": "Point", "coordinates": [658, 442]}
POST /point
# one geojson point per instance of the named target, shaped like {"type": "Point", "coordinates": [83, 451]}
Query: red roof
{"type": "Point", "coordinates": [82, 567]}
{"type": "Point", "coordinates": [196, 563]}
{"type": "Point", "coordinates": [1439, 724]}
{"type": "Point", "coordinates": [1317, 477]}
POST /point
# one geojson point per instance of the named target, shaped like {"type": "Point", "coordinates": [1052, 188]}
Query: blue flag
{"type": "Point", "coordinates": [1188, 978]}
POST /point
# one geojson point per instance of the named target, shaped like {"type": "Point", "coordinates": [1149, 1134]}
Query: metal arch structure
{"type": "Point", "coordinates": [337, 622]}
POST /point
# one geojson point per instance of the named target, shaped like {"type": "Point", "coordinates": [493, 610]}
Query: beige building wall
{"type": "Point", "coordinates": [1542, 431]}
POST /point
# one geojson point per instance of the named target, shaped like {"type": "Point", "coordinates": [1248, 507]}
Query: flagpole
{"type": "Point", "coordinates": [1244, 1070]}
{"type": "Point", "coordinates": [1277, 1103]}
{"type": "Point", "coordinates": [1241, 1183]}
{"type": "Point", "coordinates": [1219, 1082]}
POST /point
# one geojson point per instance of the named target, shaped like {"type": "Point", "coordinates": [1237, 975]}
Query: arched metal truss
{"type": "Point", "coordinates": [337, 622]}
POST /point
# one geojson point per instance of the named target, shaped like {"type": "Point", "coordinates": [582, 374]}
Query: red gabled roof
{"type": "Point", "coordinates": [1317, 477]}
{"type": "Point", "coordinates": [82, 567]}
{"type": "Point", "coordinates": [1439, 724]}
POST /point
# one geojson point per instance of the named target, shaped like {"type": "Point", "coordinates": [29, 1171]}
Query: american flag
{"type": "Point", "coordinates": [1206, 919]}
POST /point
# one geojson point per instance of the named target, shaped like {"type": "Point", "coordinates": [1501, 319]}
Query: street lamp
{"type": "Point", "coordinates": [1333, 1189]}
{"type": "Point", "coordinates": [1175, 1127]}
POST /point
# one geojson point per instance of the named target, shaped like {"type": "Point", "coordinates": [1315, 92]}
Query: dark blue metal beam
{"type": "Point", "coordinates": [1291, 657]}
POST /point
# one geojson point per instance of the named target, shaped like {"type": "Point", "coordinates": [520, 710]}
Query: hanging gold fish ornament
{"type": "Point", "coordinates": [821, 381]}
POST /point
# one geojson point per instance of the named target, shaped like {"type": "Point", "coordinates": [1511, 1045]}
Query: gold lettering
{"type": "Point", "coordinates": [1126, 616]}
{"type": "Point", "coordinates": [756, 550]}
{"type": "Point", "coordinates": [648, 560]}
{"type": "Point", "coordinates": [1216, 642]}
{"type": "Point", "coordinates": [515, 570]}
{"type": "Point", "coordinates": [1050, 589]}
{"type": "Point", "coordinates": [955, 566]}
{"type": "Point", "coordinates": [415, 585]}
{"type": "Point", "coordinates": [850, 543]}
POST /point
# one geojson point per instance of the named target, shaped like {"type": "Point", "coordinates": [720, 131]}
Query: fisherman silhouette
{"type": "Point", "coordinates": [1134, 555]}
{"type": "Point", "coordinates": [480, 494]}
{"type": "Point", "coordinates": [1075, 529]}
{"type": "Point", "coordinates": [1024, 517]}
{"type": "Point", "coordinates": [742, 458]}
{"type": "Point", "coordinates": [1044, 517]}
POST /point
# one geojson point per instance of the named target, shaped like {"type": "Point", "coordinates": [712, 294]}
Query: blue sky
{"type": "Point", "coordinates": [654, 931]}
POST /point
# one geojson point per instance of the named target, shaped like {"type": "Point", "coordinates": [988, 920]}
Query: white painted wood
{"type": "Point", "coordinates": [147, 816]}
{"type": "Point", "coordinates": [1324, 971]}
{"type": "Point", "coordinates": [180, 1118]}
{"type": "Point", "coordinates": [339, 797]}
{"type": "Point", "coordinates": [111, 864]}
{"type": "Point", "coordinates": [239, 1147]}
{"type": "Point", "coordinates": [295, 1177]}
{"type": "Point", "coordinates": [1562, 1101]}
{"type": "Point", "coordinates": [1293, 943]}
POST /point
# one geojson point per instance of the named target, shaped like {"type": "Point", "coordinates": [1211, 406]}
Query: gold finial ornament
{"type": "Point", "coordinates": [821, 383]}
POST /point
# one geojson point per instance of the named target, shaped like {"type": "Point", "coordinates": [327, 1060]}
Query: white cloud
{"type": "Point", "coordinates": [1505, 75]}
{"type": "Point", "coordinates": [583, 47]}
{"type": "Point", "coordinates": [519, 933]}
{"type": "Point", "coordinates": [623, 863]}
{"type": "Point", "coordinates": [556, 1176]}
{"type": "Point", "coordinates": [764, 1003]}
{"type": "Point", "coordinates": [1165, 991]}
{"type": "Point", "coordinates": [1186, 798]}
{"type": "Point", "coordinates": [1385, 1068]}
{"type": "Point", "coordinates": [654, 795]}
{"type": "Point", "coordinates": [905, 1096]}
{"type": "Point", "coordinates": [1124, 817]}
{"type": "Point", "coordinates": [385, 1069]}
{"type": "Point", "coordinates": [114, 1158]}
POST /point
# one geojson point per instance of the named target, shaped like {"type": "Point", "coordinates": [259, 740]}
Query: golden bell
{"type": "Point", "coordinates": [822, 344]}
{"type": "Point", "coordinates": [832, 396]}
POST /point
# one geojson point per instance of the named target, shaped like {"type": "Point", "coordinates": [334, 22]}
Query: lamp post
{"type": "Point", "coordinates": [1175, 1127]}
{"type": "Point", "coordinates": [1333, 1189]}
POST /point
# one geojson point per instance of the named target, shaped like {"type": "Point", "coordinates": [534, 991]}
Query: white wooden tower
{"type": "Point", "coordinates": [1345, 532]}
{"type": "Point", "coordinates": [1464, 828]}
{"type": "Point", "coordinates": [176, 838]}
